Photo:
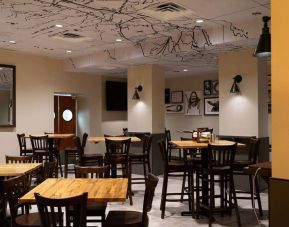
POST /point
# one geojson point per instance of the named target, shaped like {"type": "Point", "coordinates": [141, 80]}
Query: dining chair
{"type": "Point", "coordinates": [219, 171]}
{"type": "Point", "coordinates": [142, 159]}
{"type": "Point", "coordinates": [87, 159]}
{"type": "Point", "coordinates": [40, 147]}
{"type": "Point", "coordinates": [124, 218]}
{"type": "Point", "coordinates": [174, 169]}
{"type": "Point", "coordinates": [48, 170]}
{"type": "Point", "coordinates": [62, 212]}
{"type": "Point", "coordinates": [93, 209]}
{"type": "Point", "coordinates": [73, 154]}
{"type": "Point", "coordinates": [18, 159]}
{"type": "Point", "coordinates": [239, 165]}
{"type": "Point", "coordinates": [14, 189]}
{"type": "Point", "coordinates": [22, 145]}
{"type": "Point", "coordinates": [117, 154]}
{"type": "Point", "coordinates": [171, 147]}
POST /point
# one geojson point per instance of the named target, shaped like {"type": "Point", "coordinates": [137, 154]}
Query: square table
{"type": "Point", "coordinates": [16, 169]}
{"type": "Point", "coordinates": [99, 190]}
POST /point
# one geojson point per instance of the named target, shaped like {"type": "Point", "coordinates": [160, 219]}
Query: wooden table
{"type": "Point", "coordinates": [187, 144]}
{"type": "Point", "coordinates": [265, 170]}
{"type": "Point", "coordinates": [99, 190]}
{"type": "Point", "coordinates": [98, 139]}
{"type": "Point", "coordinates": [12, 170]}
{"type": "Point", "coordinates": [56, 136]}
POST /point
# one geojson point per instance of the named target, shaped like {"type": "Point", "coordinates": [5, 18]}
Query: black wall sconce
{"type": "Point", "coordinates": [264, 45]}
{"type": "Point", "coordinates": [237, 79]}
{"type": "Point", "coordinates": [136, 91]}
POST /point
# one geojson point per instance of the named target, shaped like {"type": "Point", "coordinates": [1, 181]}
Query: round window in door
{"type": "Point", "coordinates": [67, 115]}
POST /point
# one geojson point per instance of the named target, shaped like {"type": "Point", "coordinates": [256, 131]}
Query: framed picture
{"type": "Point", "coordinates": [215, 87]}
{"type": "Point", "coordinates": [193, 103]}
{"type": "Point", "coordinates": [167, 96]}
{"type": "Point", "coordinates": [177, 97]}
{"type": "Point", "coordinates": [207, 87]}
{"type": "Point", "coordinates": [211, 106]}
{"type": "Point", "coordinates": [175, 108]}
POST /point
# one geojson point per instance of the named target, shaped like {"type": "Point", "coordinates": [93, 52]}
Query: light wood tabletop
{"type": "Point", "coordinates": [97, 139]}
{"type": "Point", "coordinates": [16, 169]}
{"type": "Point", "coordinates": [99, 190]}
{"type": "Point", "coordinates": [56, 136]}
{"type": "Point", "coordinates": [194, 144]}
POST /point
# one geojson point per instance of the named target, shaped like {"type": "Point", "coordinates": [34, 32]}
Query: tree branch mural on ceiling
{"type": "Point", "coordinates": [155, 38]}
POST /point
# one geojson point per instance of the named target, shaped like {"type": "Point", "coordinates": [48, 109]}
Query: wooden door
{"type": "Point", "coordinates": [65, 118]}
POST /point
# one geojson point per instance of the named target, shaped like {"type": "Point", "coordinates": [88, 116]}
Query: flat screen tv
{"type": "Point", "coordinates": [116, 96]}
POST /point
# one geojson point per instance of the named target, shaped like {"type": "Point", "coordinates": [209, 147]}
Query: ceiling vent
{"type": "Point", "coordinates": [71, 37]}
{"type": "Point", "coordinates": [167, 11]}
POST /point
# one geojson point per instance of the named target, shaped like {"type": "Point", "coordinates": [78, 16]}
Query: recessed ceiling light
{"type": "Point", "coordinates": [59, 25]}
{"type": "Point", "coordinates": [12, 41]}
{"type": "Point", "coordinates": [199, 21]}
{"type": "Point", "coordinates": [185, 70]}
{"type": "Point", "coordinates": [68, 51]}
{"type": "Point", "coordinates": [1, 68]}
{"type": "Point", "coordinates": [118, 40]}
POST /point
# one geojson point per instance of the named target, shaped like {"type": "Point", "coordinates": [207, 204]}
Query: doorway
{"type": "Point", "coordinates": [65, 107]}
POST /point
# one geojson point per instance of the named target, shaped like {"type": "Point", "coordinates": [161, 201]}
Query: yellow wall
{"type": "Point", "coordinates": [280, 88]}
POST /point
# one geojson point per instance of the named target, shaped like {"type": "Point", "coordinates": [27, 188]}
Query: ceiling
{"type": "Point", "coordinates": [171, 38]}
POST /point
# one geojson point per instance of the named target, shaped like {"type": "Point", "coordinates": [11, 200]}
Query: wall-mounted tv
{"type": "Point", "coordinates": [116, 96]}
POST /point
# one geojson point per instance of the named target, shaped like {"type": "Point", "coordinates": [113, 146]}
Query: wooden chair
{"type": "Point", "coordinates": [142, 159]}
{"type": "Point", "coordinates": [87, 159]}
{"type": "Point", "coordinates": [93, 209]}
{"type": "Point", "coordinates": [220, 170]}
{"type": "Point", "coordinates": [62, 212]}
{"type": "Point", "coordinates": [117, 152]}
{"type": "Point", "coordinates": [40, 147]}
{"type": "Point", "coordinates": [18, 159]}
{"type": "Point", "coordinates": [49, 170]}
{"type": "Point", "coordinates": [170, 147]}
{"type": "Point", "coordinates": [134, 218]}
{"type": "Point", "coordinates": [238, 167]}
{"type": "Point", "coordinates": [15, 188]}
{"type": "Point", "coordinates": [73, 153]}
{"type": "Point", "coordinates": [174, 169]}
{"type": "Point", "coordinates": [22, 145]}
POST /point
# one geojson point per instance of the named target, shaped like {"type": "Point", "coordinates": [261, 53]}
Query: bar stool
{"type": "Point", "coordinates": [174, 169]}
{"type": "Point", "coordinates": [171, 147]}
{"type": "Point", "coordinates": [142, 159]}
{"type": "Point", "coordinates": [24, 151]}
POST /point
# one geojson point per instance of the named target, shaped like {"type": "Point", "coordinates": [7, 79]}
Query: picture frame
{"type": "Point", "coordinates": [215, 87]}
{"type": "Point", "coordinates": [211, 106]}
{"type": "Point", "coordinates": [177, 108]}
{"type": "Point", "coordinates": [177, 97]}
{"type": "Point", "coordinates": [193, 103]}
{"type": "Point", "coordinates": [207, 87]}
{"type": "Point", "coordinates": [167, 96]}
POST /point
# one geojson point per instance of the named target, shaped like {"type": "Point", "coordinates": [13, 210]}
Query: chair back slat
{"type": "Point", "coordinates": [62, 212]}
{"type": "Point", "coordinates": [39, 143]}
{"type": "Point", "coordinates": [221, 156]}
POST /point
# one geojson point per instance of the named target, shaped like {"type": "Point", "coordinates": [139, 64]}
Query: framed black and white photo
{"type": "Point", "coordinates": [211, 106]}
{"type": "Point", "coordinates": [215, 87]}
{"type": "Point", "coordinates": [175, 108]}
{"type": "Point", "coordinates": [176, 96]}
{"type": "Point", "coordinates": [207, 87]}
{"type": "Point", "coordinates": [193, 103]}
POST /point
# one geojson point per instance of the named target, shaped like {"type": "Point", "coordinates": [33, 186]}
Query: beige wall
{"type": "Point", "coordinates": [280, 91]}
{"type": "Point", "coordinates": [37, 78]}
{"type": "Point", "coordinates": [243, 114]}
{"type": "Point", "coordinates": [176, 122]}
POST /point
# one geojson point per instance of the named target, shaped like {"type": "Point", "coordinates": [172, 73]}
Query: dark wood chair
{"type": "Point", "coordinates": [134, 218]}
{"type": "Point", "coordinates": [174, 169]}
{"type": "Point", "coordinates": [220, 170]}
{"type": "Point", "coordinates": [15, 188]}
{"type": "Point", "coordinates": [142, 159]}
{"type": "Point", "coordinates": [87, 159]}
{"type": "Point", "coordinates": [73, 153]}
{"type": "Point", "coordinates": [52, 211]}
{"type": "Point", "coordinates": [48, 170]}
{"type": "Point", "coordinates": [171, 147]}
{"type": "Point", "coordinates": [22, 145]}
{"type": "Point", "coordinates": [40, 147]}
{"type": "Point", "coordinates": [93, 209]}
{"type": "Point", "coordinates": [238, 167]}
{"type": "Point", "coordinates": [117, 152]}
{"type": "Point", "coordinates": [18, 159]}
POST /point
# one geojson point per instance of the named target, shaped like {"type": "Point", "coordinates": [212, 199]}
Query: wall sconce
{"type": "Point", "coordinates": [264, 45]}
{"type": "Point", "coordinates": [136, 91]}
{"type": "Point", "coordinates": [237, 79]}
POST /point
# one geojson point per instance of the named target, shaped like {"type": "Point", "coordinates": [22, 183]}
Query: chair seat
{"type": "Point", "coordinates": [32, 219]}
{"type": "Point", "coordinates": [124, 218]}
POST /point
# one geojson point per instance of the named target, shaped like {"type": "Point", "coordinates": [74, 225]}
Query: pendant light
{"type": "Point", "coordinates": [264, 45]}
